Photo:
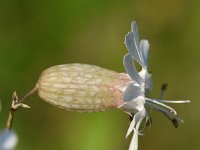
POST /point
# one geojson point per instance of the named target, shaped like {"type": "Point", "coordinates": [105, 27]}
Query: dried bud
{"type": "Point", "coordinates": [82, 87]}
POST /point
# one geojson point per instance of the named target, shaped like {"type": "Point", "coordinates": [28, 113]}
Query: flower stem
{"type": "Point", "coordinates": [16, 104]}
{"type": "Point", "coordinates": [10, 119]}
{"type": "Point", "coordinates": [31, 92]}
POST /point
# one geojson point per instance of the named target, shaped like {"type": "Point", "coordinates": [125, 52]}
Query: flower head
{"type": "Point", "coordinates": [8, 139]}
{"type": "Point", "coordinates": [136, 92]}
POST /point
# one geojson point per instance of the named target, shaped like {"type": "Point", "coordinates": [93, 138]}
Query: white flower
{"type": "Point", "coordinates": [8, 140]}
{"type": "Point", "coordinates": [135, 95]}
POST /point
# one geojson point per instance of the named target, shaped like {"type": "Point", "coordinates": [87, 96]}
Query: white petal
{"type": "Point", "coordinates": [144, 47]}
{"type": "Point", "coordinates": [138, 118]}
{"type": "Point", "coordinates": [134, 29]}
{"type": "Point", "coordinates": [131, 127]}
{"type": "Point", "coordinates": [148, 83]}
{"type": "Point", "coordinates": [134, 142]}
{"type": "Point", "coordinates": [8, 140]}
{"type": "Point", "coordinates": [147, 78]}
{"type": "Point", "coordinates": [134, 106]}
{"type": "Point", "coordinates": [135, 123]}
{"type": "Point", "coordinates": [132, 43]}
{"type": "Point", "coordinates": [132, 92]}
{"type": "Point", "coordinates": [130, 69]}
{"type": "Point", "coordinates": [133, 48]}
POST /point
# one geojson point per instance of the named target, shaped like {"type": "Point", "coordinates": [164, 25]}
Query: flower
{"type": "Point", "coordinates": [8, 139]}
{"type": "Point", "coordinates": [135, 95]}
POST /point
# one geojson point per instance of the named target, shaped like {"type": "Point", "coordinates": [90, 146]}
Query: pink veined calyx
{"type": "Point", "coordinates": [135, 95]}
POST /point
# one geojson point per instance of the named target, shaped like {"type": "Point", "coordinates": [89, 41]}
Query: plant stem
{"type": "Point", "coordinates": [16, 104]}
{"type": "Point", "coordinates": [10, 119]}
{"type": "Point", "coordinates": [29, 94]}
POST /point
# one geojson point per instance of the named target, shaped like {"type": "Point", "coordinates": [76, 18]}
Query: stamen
{"type": "Point", "coordinates": [175, 102]}
{"type": "Point", "coordinates": [175, 120]}
{"type": "Point", "coordinates": [163, 89]}
{"type": "Point", "coordinates": [147, 124]}
{"type": "Point", "coordinates": [175, 123]}
{"type": "Point", "coordinates": [161, 104]}
{"type": "Point", "coordinates": [165, 112]}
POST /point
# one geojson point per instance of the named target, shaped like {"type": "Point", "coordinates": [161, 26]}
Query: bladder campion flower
{"type": "Point", "coordinates": [135, 95]}
{"type": "Point", "coordinates": [89, 88]}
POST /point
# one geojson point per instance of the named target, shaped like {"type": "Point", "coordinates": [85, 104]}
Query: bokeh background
{"type": "Point", "coordinates": [37, 34]}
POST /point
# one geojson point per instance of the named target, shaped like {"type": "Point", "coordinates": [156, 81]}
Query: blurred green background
{"type": "Point", "coordinates": [37, 34]}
